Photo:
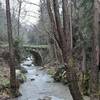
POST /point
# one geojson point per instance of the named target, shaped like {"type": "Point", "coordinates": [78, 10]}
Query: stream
{"type": "Point", "coordinates": [40, 85]}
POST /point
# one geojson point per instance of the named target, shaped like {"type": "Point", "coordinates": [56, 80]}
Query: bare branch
{"type": "Point", "coordinates": [31, 3]}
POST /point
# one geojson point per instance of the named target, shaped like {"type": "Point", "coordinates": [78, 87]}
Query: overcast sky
{"type": "Point", "coordinates": [32, 16]}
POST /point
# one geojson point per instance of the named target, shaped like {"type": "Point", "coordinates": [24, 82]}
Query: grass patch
{"type": "Point", "coordinates": [51, 71]}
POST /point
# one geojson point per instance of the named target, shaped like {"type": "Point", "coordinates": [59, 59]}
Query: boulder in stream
{"type": "Point", "coordinates": [23, 70]}
{"type": "Point", "coordinates": [32, 79]}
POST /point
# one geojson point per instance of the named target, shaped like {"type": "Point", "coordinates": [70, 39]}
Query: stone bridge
{"type": "Point", "coordinates": [39, 52]}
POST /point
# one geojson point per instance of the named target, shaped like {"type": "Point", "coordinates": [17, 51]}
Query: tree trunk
{"type": "Point", "coordinates": [64, 41]}
{"type": "Point", "coordinates": [71, 29]}
{"type": "Point", "coordinates": [83, 69]}
{"type": "Point", "coordinates": [11, 50]}
{"type": "Point", "coordinates": [19, 12]}
{"type": "Point", "coordinates": [94, 82]}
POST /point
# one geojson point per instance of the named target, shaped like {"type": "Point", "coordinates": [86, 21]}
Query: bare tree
{"type": "Point", "coordinates": [11, 50]}
{"type": "Point", "coordinates": [94, 85]}
{"type": "Point", "coordinates": [63, 38]}
{"type": "Point", "coordinates": [19, 14]}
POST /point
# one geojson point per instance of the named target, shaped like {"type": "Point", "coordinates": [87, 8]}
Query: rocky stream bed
{"type": "Point", "coordinates": [40, 86]}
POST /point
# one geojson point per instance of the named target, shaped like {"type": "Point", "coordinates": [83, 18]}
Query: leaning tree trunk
{"type": "Point", "coordinates": [67, 54]}
{"type": "Point", "coordinates": [63, 38]}
{"type": "Point", "coordinates": [11, 50]}
{"type": "Point", "coordinates": [94, 82]}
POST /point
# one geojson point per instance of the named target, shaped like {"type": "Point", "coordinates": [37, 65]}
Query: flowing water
{"type": "Point", "coordinates": [39, 85]}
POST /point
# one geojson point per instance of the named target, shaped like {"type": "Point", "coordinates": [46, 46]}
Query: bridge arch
{"type": "Point", "coordinates": [39, 52]}
{"type": "Point", "coordinates": [37, 58]}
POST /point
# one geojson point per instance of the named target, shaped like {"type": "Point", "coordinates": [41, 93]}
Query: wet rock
{"type": "Point", "coordinates": [32, 79]}
{"type": "Point", "coordinates": [28, 65]}
{"type": "Point", "coordinates": [45, 98]}
{"type": "Point", "coordinates": [60, 75]}
{"type": "Point", "coordinates": [37, 74]}
{"type": "Point", "coordinates": [49, 81]}
{"type": "Point", "coordinates": [20, 76]}
{"type": "Point", "coordinates": [41, 68]}
{"type": "Point", "coordinates": [23, 70]}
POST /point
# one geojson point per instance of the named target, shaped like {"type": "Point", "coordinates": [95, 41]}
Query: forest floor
{"type": "Point", "coordinates": [4, 82]}
{"type": "Point", "coordinates": [40, 86]}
